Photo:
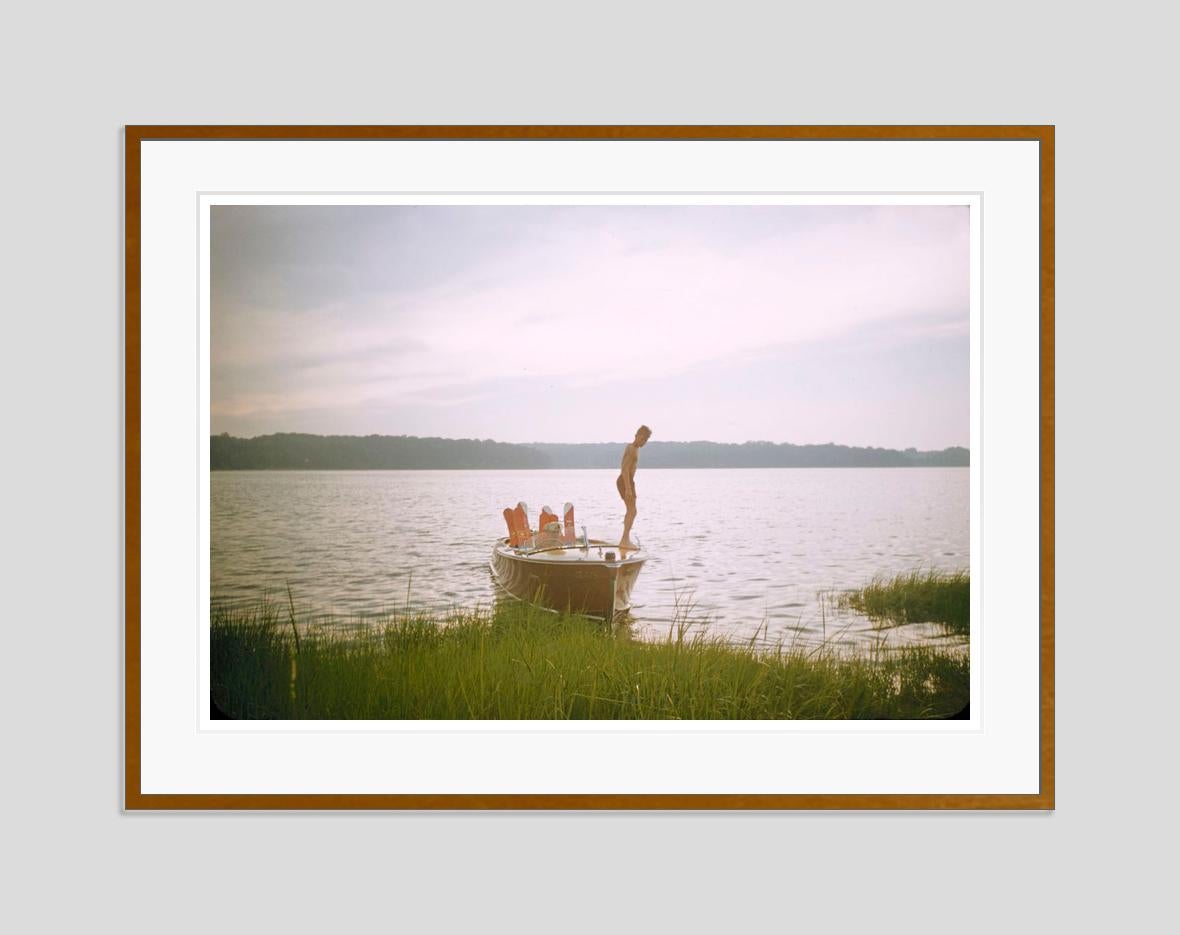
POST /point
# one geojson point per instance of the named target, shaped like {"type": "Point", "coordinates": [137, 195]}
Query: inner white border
{"type": "Point", "coordinates": [182, 751]}
{"type": "Point", "coordinates": [207, 200]}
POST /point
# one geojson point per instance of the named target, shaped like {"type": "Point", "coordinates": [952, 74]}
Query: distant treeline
{"type": "Point", "coordinates": [408, 452]}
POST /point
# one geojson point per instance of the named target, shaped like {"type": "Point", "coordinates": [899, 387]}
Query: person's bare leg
{"type": "Point", "coordinates": [625, 542]}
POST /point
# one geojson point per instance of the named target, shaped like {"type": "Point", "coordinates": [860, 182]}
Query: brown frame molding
{"type": "Point", "coordinates": [134, 799]}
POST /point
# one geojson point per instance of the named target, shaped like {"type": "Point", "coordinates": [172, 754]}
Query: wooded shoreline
{"type": "Point", "coordinates": [294, 451]}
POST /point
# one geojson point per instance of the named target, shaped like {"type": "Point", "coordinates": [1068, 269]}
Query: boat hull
{"type": "Point", "coordinates": [580, 582]}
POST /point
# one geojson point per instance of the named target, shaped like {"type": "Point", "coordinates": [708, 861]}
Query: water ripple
{"type": "Point", "coordinates": [363, 543]}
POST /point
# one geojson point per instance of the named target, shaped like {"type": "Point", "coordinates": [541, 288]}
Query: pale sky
{"type": "Point", "coordinates": [576, 324]}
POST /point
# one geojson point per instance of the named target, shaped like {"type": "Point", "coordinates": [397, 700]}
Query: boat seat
{"type": "Point", "coordinates": [523, 532]}
{"type": "Point", "coordinates": [568, 534]}
{"type": "Point", "coordinates": [510, 519]}
{"type": "Point", "coordinates": [548, 529]}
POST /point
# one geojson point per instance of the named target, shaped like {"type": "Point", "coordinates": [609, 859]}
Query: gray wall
{"type": "Point", "coordinates": [73, 77]}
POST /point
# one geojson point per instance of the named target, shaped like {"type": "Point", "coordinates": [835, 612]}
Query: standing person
{"type": "Point", "coordinates": [626, 482]}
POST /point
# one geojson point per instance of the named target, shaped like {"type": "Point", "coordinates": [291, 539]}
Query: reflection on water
{"type": "Point", "coordinates": [753, 551]}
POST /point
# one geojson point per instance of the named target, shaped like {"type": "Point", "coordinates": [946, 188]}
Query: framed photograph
{"type": "Point", "coordinates": [602, 467]}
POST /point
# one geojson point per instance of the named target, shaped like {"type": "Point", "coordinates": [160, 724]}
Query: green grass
{"type": "Point", "coordinates": [516, 662]}
{"type": "Point", "coordinates": [917, 597]}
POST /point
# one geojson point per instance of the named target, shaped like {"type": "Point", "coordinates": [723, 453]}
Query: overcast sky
{"type": "Point", "coordinates": [785, 324]}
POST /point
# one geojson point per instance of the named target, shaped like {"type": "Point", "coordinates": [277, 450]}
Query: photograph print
{"type": "Point", "coordinates": [590, 461]}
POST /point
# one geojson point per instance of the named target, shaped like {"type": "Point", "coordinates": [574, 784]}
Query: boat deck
{"type": "Point", "coordinates": [596, 554]}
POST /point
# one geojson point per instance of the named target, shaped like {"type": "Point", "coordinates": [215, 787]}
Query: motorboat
{"type": "Point", "coordinates": [591, 577]}
{"type": "Point", "coordinates": [561, 571]}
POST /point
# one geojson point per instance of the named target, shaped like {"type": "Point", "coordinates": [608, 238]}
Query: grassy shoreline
{"type": "Point", "coordinates": [916, 597]}
{"type": "Point", "coordinates": [517, 662]}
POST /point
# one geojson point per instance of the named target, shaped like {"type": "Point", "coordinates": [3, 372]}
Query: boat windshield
{"type": "Point", "coordinates": [594, 539]}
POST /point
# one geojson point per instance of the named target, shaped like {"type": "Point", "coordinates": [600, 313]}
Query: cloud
{"type": "Point", "coordinates": [564, 299]}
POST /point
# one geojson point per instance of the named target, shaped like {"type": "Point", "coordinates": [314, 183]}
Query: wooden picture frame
{"type": "Point", "coordinates": [138, 797]}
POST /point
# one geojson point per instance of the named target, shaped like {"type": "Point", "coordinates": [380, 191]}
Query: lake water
{"type": "Point", "coordinates": [756, 551]}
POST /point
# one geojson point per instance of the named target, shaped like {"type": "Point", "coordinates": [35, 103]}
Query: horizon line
{"type": "Point", "coordinates": [667, 441]}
